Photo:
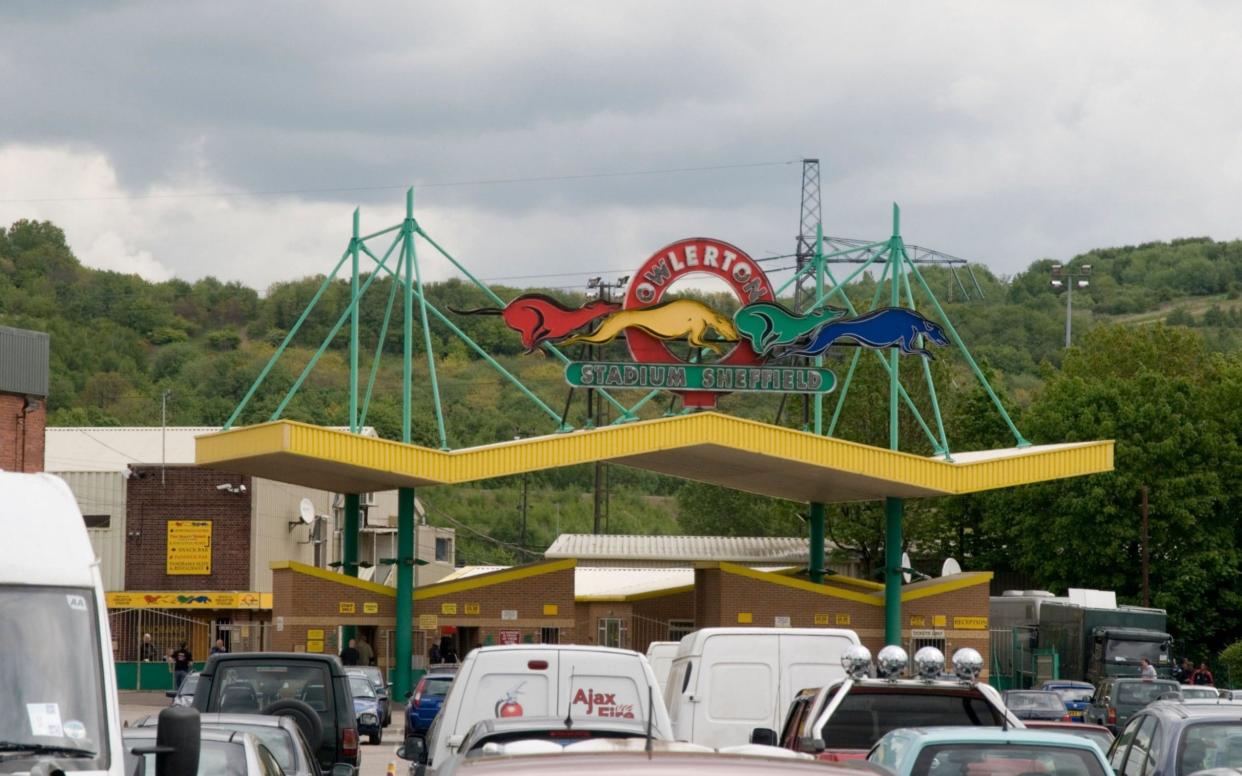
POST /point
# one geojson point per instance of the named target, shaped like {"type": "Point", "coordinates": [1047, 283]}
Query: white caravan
{"type": "Point", "coordinates": [660, 655]}
{"type": "Point", "coordinates": [725, 682]}
{"type": "Point", "coordinates": [541, 680]}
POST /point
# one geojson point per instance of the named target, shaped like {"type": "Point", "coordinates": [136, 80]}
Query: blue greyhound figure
{"type": "Point", "coordinates": [881, 328]}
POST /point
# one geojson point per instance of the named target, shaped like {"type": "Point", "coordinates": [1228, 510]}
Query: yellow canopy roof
{"type": "Point", "coordinates": [709, 447]}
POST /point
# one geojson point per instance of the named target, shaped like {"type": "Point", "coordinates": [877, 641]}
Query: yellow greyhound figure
{"type": "Point", "coordinates": [669, 321]}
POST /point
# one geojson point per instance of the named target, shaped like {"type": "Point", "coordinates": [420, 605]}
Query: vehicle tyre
{"type": "Point", "coordinates": [377, 737]}
{"type": "Point", "coordinates": [305, 717]}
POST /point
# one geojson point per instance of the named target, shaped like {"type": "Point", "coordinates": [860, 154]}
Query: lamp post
{"type": "Point", "coordinates": [1068, 277]}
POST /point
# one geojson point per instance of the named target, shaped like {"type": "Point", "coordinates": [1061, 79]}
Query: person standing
{"type": "Point", "coordinates": [433, 654]}
{"type": "Point", "coordinates": [349, 655]}
{"type": "Point", "coordinates": [1203, 675]}
{"type": "Point", "coordinates": [366, 655]}
{"type": "Point", "coordinates": [182, 659]}
{"type": "Point", "coordinates": [148, 653]}
{"type": "Point", "coordinates": [218, 649]}
{"type": "Point", "coordinates": [1147, 671]}
{"type": "Point", "coordinates": [1184, 671]}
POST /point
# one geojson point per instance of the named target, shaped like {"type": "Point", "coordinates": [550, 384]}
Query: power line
{"type": "Point", "coordinates": [392, 187]}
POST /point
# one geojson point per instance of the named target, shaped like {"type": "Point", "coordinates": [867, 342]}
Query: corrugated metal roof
{"type": "Point", "coordinates": [111, 449]}
{"type": "Point", "coordinates": [607, 581]}
{"type": "Point", "coordinates": [735, 549]}
{"type": "Point", "coordinates": [24, 361]}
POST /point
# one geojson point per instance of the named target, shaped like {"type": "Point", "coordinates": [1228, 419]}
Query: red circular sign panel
{"type": "Point", "coordinates": [697, 255]}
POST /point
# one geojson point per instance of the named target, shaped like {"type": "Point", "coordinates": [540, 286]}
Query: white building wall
{"type": "Point", "coordinates": [103, 493]}
{"type": "Point", "coordinates": [275, 505]}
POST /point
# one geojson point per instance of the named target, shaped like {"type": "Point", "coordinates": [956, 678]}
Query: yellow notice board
{"type": "Point", "coordinates": [189, 547]}
{"type": "Point", "coordinates": [970, 623]}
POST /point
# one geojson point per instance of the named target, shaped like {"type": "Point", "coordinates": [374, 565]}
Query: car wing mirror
{"type": "Point", "coordinates": [343, 769]}
{"type": "Point", "coordinates": [170, 694]}
{"type": "Point", "coordinates": [414, 749]}
{"type": "Point", "coordinates": [763, 736]}
{"type": "Point", "coordinates": [811, 744]}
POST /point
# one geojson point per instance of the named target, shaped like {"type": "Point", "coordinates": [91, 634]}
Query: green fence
{"type": "Point", "coordinates": [146, 676]}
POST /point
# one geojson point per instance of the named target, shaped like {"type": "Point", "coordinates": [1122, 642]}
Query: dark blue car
{"type": "Point", "coordinates": [1076, 696]}
{"type": "Point", "coordinates": [367, 709]}
{"type": "Point", "coordinates": [427, 698]}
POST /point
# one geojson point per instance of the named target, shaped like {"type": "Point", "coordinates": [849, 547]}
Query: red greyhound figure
{"type": "Point", "coordinates": [539, 318]}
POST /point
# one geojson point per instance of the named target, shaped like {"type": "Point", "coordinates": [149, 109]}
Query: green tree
{"type": "Point", "coordinates": [710, 510]}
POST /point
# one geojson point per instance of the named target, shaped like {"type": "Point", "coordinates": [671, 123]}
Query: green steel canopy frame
{"type": "Point", "coordinates": [897, 272]}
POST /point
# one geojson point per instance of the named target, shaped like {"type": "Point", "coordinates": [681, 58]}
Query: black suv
{"type": "Point", "coordinates": [312, 689]}
{"type": "Point", "coordinates": [1168, 738]}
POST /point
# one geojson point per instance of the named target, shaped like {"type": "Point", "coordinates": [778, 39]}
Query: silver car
{"type": "Point", "coordinates": [220, 752]}
{"type": "Point", "coordinates": [281, 735]}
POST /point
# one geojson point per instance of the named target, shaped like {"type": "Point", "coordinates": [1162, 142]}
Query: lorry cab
{"type": "Point", "coordinates": [546, 680]}
{"type": "Point", "coordinates": [1118, 652]}
{"type": "Point", "coordinates": [726, 682]}
{"type": "Point", "coordinates": [60, 710]}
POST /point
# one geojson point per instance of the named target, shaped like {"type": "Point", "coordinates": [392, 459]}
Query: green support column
{"type": "Point", "coordinates": [405, 592]}
{"type": "Point", "coordinates": [893, 508]}
{"type": "Point", "coordinates": [816, 571]}
{"type": "Point", "coordinates": [349, 550]}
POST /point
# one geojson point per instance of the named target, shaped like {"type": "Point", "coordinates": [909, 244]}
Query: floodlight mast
{"type": "Point", "coordinates": [1070, 277]}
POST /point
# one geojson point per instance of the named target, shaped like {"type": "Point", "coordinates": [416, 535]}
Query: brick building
{"type": "Point", "coordinates": [24, 359]}
{"type": "Point", "coordinates": [618, 601]}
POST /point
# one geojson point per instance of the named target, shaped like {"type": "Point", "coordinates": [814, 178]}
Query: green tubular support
{"type": "Point", "coordinates": [811, 268]}
{"type": "Point", "coordinates": [353, 330]}
{"type": "Point", "coordinates": [548, 347]}
{"type": "Point", "coordinates": [379, 345]}
{"type": "Point", "coordinates": [271, 362]}
{"type": "Point", "coordinates": [404, 647]}
{"type": "Point", "coordinates": [927, 377]}
{"type": "Point", "coordinates": [819, 397]}
{"type": "Point", "coordinates": [407, 337]}
{"type": "Point", "coordinates": [328, 339]}
{"type": "Point", "coordinates": [349, 537]}
{"type": "Point", "coordinates": [957, 340]}
{"type": "Point", "coordinates": [484, 355]}
{"type": "Point", "coordinates": [412, 255]}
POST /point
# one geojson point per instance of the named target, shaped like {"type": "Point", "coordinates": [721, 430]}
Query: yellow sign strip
{"type": "Point", "coordinates": [938, 587]}
{"type": "Point", "coordinates": [188, 599]}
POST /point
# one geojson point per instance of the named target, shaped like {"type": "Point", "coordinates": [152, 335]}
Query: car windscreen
{"type": "Point", "coordinates": [248, 688]}
{"type": "Point", "coordinates": [1143, 692]}
{"type": "Point", "coordinates": [361, 687]}
{"type": "Point", "coordinates": [1006, 760]}
{"type": "Point", "coordinates": [1199, 692]}
{"type": "Point", "coordinates": [865, 716]}
{"type": "Point", "coordinates": [1118, 650]}
{"type": "Point", "coordinates": [188, 685]}
{"type": "Point", "coordinates": [1210, 745]}
{"type": "Point", "coordinates": [1034, 701]}
{"type": "Point", "coordinates": [560, 737]}
{"type": "Point", "coordinates": [51, 674]}
{"type": "Point", "coordinates": [437, 687]}
{"type": "Point", "coordinates": [1075, 694]}
{"type": "Point", "coordinates": [276, 739]}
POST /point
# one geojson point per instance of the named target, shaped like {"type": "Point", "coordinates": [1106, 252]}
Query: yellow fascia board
{"type": "Point", "coordinates": [332, 576]}
{"type": "Point", "coordinates": [587, 599]}
{"type": "Point", "coordinates": [400, 465]}
{"type": "Point", "coordinates": [494, 578]}
{"type": "Point", "coordinates": [969, 579]}
{"type": "Point", "coordinates": [800, 584]}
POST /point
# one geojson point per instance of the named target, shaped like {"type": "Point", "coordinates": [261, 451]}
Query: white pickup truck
{"type": "Point", "coordinates": [60, 709]}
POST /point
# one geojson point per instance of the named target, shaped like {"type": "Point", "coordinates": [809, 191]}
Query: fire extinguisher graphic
{"type": "Point", "coordinates": [508, 705]}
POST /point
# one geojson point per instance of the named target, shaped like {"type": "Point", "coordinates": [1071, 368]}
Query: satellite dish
{"type": "Point", "coordinates": [306, 511]}
{"type": "Point", "coordinates": [905, 564]}
{"type": "Point", "coordinates": [950, 568]}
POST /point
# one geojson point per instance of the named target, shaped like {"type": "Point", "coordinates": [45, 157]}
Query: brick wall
{"type": "Point", "coordinates": [21, 434]}
{"type": "Point", "coordinates": [186, 493]}
{"type": "Point", "coordinates": [721, 596]}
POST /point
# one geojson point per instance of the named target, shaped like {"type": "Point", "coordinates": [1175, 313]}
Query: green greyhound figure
{"type": "Point", "coordinates": [767, 325]}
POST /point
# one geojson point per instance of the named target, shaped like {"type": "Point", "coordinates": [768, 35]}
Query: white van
{"type": "Point", "coordinates": [59, 682]}
{"type": "Point", "coordinates": [660, 655]}
{"type": "Point", "coordinates": [541, 680]}
{"type": "Point", "coordinates": [725, 682]}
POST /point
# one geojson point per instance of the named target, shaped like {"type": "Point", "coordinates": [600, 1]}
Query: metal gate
{"type": "Point", "coordinates": [168, 631]}
{"type": "Point", "coordinates": [1016, 663]}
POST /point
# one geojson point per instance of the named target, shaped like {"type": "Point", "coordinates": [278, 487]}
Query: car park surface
{"type": "Point", "coordinates": [1176, 739]}
{"type": "Point", "coordinates": [977, 751]}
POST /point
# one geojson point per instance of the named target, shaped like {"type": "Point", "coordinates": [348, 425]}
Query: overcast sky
{"type": "Point", "coordinates": [1008, 131]}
